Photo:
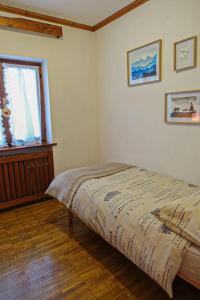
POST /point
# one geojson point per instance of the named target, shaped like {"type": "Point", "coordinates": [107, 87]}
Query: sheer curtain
{"type": "Point", "coordinates": [22, 86]}
{"type": "Point", "coordinates": [2, 137]}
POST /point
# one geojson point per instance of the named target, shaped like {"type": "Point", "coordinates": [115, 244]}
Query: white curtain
{"type": "Point", "coordinates": [22, 88]}
{"type": "Point", "coordinates": [2, 137]}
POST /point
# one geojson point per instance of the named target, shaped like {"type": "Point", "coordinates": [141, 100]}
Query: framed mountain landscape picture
{"type": "Point", "coordinates": [144, 63]}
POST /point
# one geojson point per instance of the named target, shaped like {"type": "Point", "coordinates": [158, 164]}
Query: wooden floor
{"type": "Point", "coordinates": [42, 258]}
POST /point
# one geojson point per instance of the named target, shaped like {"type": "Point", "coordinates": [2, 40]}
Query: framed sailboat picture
{"type": "Point", "coordinates": [144, 64]}
{"type": "Point", "coordinates": [182, 107]}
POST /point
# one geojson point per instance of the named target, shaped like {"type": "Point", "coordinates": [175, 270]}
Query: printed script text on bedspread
{"type": "Point", "coordinates": [122, 209]}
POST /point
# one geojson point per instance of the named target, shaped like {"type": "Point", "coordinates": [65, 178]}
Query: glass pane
{"type": "Point", "coordinates": [22, 89]}
{"type": "Point", "coordinates": [2, 137]}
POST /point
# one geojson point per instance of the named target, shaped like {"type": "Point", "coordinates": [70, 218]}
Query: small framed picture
{"type": "Point", "coordinates": [185, 54]}
{"type": "Point", "coordinates": [144, 64]}
{"type": "Point", "coordinates": [182, 107]}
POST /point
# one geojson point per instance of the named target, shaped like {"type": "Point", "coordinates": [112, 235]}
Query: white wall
{"type": "Point", "coordinates": [132, 127]}
{"type": "Point", "coordinates": [72, 90]}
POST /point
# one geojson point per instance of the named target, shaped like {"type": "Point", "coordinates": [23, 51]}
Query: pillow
{"type": "Point", "coordinates": [182, 216]}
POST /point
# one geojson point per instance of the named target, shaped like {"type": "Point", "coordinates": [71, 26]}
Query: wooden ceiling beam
{"type": "Point", "coordinates": [29, 25]}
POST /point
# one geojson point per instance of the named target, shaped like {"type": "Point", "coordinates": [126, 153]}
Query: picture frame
{"type": "Point", "coordinates": [182, 107]}
{"type": "Point", "coordinates": [185, 54]}
{"type": "Point", "coordinates": [144, 64]}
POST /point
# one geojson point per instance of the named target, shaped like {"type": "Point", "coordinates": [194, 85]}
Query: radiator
{"type": "Point", "coordinates": [25, 177]}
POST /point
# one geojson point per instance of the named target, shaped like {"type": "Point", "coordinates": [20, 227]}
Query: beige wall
{"type": "Point", "coordinates": [129, 121]}
{"type": "Point", "coordinates": [72, 90]}
{"type": "Point", "coordinates": [132, 127]}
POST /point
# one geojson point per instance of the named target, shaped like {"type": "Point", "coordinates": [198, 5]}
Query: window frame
{"type": "Point", "coordinates": [6, 125]}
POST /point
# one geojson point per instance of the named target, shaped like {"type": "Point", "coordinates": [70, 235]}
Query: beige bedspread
{"type": "Point", "coordinates": [122, 208]}
{"type": "Point", "coordinates": [66, 184]}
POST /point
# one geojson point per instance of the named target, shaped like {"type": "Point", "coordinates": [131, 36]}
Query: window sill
{"type": "Point", "coordinates": [27, 148]}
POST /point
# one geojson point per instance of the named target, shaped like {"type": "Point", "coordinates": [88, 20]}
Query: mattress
{"type": "Point", "coordinates": [190, 267]}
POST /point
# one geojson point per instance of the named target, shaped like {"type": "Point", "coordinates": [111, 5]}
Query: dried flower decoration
{"type": "Point", "coordinates": [6, 112]}
{"type": "Point", "coordinates": [5, 101]}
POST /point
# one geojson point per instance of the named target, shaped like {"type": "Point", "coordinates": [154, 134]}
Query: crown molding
{"type": "Point", "coordinates": [38, 16]}
{"type": "Point", "coordinates": [43, 17]}
{"type": "Point", "coordinates": [119, 14]}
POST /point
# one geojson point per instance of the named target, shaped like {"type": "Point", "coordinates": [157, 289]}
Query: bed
{"type": "Point", "coordinates": [151, 218]}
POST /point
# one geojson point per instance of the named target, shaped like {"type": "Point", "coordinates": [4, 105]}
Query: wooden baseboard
{"type": "Point", "coordinates": [22, 200]}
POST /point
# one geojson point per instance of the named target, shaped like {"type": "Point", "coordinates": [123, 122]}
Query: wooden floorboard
{"type": "Point", "coordinates": [42, 258]}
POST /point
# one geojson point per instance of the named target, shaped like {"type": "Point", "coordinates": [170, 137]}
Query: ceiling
{"type": "Point", "coordinates": [88, 12]}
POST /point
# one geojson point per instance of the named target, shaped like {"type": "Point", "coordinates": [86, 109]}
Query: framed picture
{"type": "Point", "coordinates": [185, 54]}
{"type": "Point", "coordinates": [182, 107]}
{"type": "Point", "coordinates": [144, 64]}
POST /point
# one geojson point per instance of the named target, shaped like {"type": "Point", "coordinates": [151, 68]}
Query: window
{"type": "Point", "coordinates": [22, 111]}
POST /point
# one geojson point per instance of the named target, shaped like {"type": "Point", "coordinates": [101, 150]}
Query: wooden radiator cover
{"type": "Point", "coordinates": [25, 177]}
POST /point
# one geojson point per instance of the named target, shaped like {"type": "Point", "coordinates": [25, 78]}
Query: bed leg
{"type": "Point", "coordinates": [69, 217]}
